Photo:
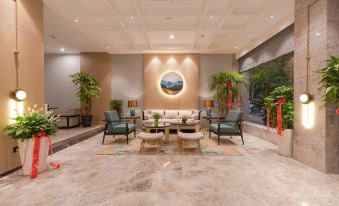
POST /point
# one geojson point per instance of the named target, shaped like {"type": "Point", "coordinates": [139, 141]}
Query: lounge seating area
{"type": "Point", "coordinates": [169, 102]}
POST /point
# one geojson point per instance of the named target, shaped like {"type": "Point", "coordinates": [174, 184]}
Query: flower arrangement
{"type": "Point", "coordinates": [32, 123]}
{"type": "Point", "coordinates": [184, 119]}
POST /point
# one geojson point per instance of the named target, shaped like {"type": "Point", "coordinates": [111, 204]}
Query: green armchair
{"type": "Point", "coordinates": [115, 126]}
{"type": "Point", "coordinates": [231, 125]}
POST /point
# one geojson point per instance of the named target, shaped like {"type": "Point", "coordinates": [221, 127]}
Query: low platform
{"type": "Point", "coordinates": [68, 137]}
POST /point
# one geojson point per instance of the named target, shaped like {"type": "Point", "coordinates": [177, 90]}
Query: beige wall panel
{"type": "Point", "coordinates": [31, 70]}
{"type": "Point", "coordinates": [99, 65]}
{"type": "Point", "coordinates": [156, 65]}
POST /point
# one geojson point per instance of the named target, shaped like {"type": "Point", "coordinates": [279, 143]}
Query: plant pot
{"type": "Point", "coordinates": [156, 122]}
{"type": "Point", "coordinates": [285, 143]}
{"type": "Point", "coordinates": [86, 120]}
{"type": "Point", "coordinates": [27, 164]}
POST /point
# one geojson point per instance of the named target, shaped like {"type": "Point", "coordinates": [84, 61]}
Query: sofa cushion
{"type": "Point", "coordinates": [224, 128]}
{"type": "Point", "coordinates": [186, 113]}
{"type": "Point", "coordinates": [171, 114]}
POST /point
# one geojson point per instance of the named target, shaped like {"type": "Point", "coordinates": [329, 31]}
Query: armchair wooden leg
{"type": "Point", "coordinates": [231, 136]}
{"type": "Point", "coordinates": [135, 131]}
{"type": "Point", "coordinates": [127, 138]}
{"type": "Point", "coordinates": [242, 138]}
{"type": "Point", "coordinates": [103, 138]}
{"type": "Point", "coordinates": [218, 138]}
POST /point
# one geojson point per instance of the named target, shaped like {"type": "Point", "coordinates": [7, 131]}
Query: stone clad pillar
{"type": "Point", "coordinates": [316, 146]}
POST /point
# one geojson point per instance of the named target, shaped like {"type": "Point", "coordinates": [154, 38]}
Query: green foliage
{"type": "Point", "coordinates": [116, 104]}
{"type": "Point", "coordinates": [330, 81]}
{"type": "Point", "coordinates": [217, 84]}
{"type": "Point", "coordinates": [87, 88]}
{"type": "Point", "coordinates": [269, 76]}
{"type": "Point", "coordinates": [156, 116]}
{"type": "Point", "coordinates": [184, 119]}
{"type": "Point", "coordinates": [288, 107]}
{"type": "Point", "coordinates": [29, 125]}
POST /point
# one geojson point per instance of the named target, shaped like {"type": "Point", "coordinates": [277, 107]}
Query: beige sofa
{"type": "Point", "coordinates": [171, 115]}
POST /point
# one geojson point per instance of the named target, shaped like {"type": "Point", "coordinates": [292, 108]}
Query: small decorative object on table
{"type": "Point", "coordinates": [156, 117]}
{"type": "Point", "coordinates": [184, 119]}
{"type": "Point", "coordinates": [208, 104]}
{"type": "Point", "coordinates": [32, 130]}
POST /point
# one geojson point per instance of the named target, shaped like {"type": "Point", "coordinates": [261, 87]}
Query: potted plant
{"type": "Point", "coordinates": [116, 104]}
{"type": "Point", "coordinates": [217, 82]}
{"type": "Point", "coordinates": [31, 128]}
{"type": "Point", "coordinates": [285, 143]}
{"type": "Point", "coordinates": [87, 88]}
{"type": "Point", "coordinates": [156, 117]}
{"type": "Point", "coordinates": [330, 82]}
{"type": "Point", "coordinates": [184, 119]}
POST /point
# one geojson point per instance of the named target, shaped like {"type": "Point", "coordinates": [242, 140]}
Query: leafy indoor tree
{"type": "Point", "coordinates": [87, 88]}
{"type": "Point", "coordinates": [217, 84]}
{"type": "Point", "coordinates": [330, 81]}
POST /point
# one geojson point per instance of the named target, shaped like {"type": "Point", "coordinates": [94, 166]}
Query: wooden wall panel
{"type": "Point", "coordinates": [156, 65]}
{"type": "Point", "coordinates": [30, 61]}
{"type": "Point", "coordinates": [99, 65]}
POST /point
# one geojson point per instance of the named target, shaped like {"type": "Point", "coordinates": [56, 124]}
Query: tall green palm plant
{"type": "Point", "coordinates": [217, 84]}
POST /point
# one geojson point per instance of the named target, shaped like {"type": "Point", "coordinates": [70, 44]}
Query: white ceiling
{"type": "Point", "coordinates": [144, 26]}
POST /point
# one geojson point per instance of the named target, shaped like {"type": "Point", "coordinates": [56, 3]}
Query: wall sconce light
{"type": "Point", "coordinates": [18, 95]}
{"type": "Point", "coordinates": [306, 98]}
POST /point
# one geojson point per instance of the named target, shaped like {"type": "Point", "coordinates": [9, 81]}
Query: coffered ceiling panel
{"type": "Point", "coordinates": [146, 26]}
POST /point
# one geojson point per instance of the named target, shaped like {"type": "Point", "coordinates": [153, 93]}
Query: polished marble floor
{"type": "Point", "coordinates": [259, 177]}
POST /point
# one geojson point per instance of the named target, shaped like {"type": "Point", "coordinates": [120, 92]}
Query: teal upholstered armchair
{"type": "Point", "coordinates": [115, 126]}
{"type": "Point", "coordinates": [231, 125]}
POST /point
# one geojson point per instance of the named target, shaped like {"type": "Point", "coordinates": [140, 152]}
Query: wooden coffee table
{"type": "Point", "coordinates": [193, 123]}
{"type": "Point", "coordinates": [161, 126]}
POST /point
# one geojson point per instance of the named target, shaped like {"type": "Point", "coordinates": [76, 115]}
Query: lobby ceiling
{"type": "Point", "coordinates": [149, 26]}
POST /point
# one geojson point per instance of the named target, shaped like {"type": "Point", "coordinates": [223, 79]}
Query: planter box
{"type": "Point", "coordinates": [26, 168]}
{"type": "Point", "coordinates": [284, 143]}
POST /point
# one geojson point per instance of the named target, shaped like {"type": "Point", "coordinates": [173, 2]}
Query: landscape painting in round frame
{"type": "Point", "coordinates": [171, 83]}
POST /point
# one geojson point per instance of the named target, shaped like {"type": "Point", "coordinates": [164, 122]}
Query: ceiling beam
{"type": "Point", "coordinates": [197, 33]}
{"type": "Point", "coordinates": [235, 2]}
{"type": "Point", "coordinates": [121, 23]}
{"type": "Point", "coordinates": [141, 20]}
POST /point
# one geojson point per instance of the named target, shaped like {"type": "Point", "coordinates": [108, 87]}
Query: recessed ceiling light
{"type": "Point", "coordinates": [62, 49]}
{"type": "Point", "coordinates": [236, 47]}
{"type": "Point", "coordinates": [107, 47]}
{"type": "Point", "coordinates": [211, 17]}
{"type": "Point", "coordinates": [271, 16]}
{"type": "Point", "coordinates": [317, 34]}
{"type": "Point", "coordinates": [131, 17]}
{"type": "Point", "coordinates": [171, 36]}
{"type": "Point", "coordinates": [76, 20]}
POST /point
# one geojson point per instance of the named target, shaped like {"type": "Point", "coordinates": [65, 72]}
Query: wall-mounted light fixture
{"type": "Point", "coordinates": [18, 95]}
{"type": "Point", "coordinates": [306, 98]}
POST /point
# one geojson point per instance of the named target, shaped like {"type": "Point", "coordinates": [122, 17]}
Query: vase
{"type": "Point", "coordinates": [156, 122]}
{"type": "Point", "coordinates": [26, 149]}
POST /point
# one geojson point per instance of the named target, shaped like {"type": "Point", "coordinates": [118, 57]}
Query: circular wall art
{"type": "Point", "coordinates": [171, 83]}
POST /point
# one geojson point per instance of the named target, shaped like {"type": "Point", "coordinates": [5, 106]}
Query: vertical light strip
{"type": "Point", "coordinates": [308, 115]}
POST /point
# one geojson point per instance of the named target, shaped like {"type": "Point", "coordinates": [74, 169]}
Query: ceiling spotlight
{"type": "Point", "coordinates": [62, 49]}
{"type": "Point", "coordinates": [171, 36]}
{"type": "Point", "coordinates": [306, 98]}
{"type": "Point", "coordinates": [107, 47]}
{"type": "Point", "coordinates": [236, 47]}
{"type": "Point", "coordinates": [76, 20]}
{"type": "Point", "coordinates": [131, 17]}
{"type": "Point", "coordinates": [18, 95]}
{"type": "Point", "coordinates": [211, 17]}
{"type": "Point", "coordinates": [271, 16]}
{"type": "Point", "coordinates": [317, 34]}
